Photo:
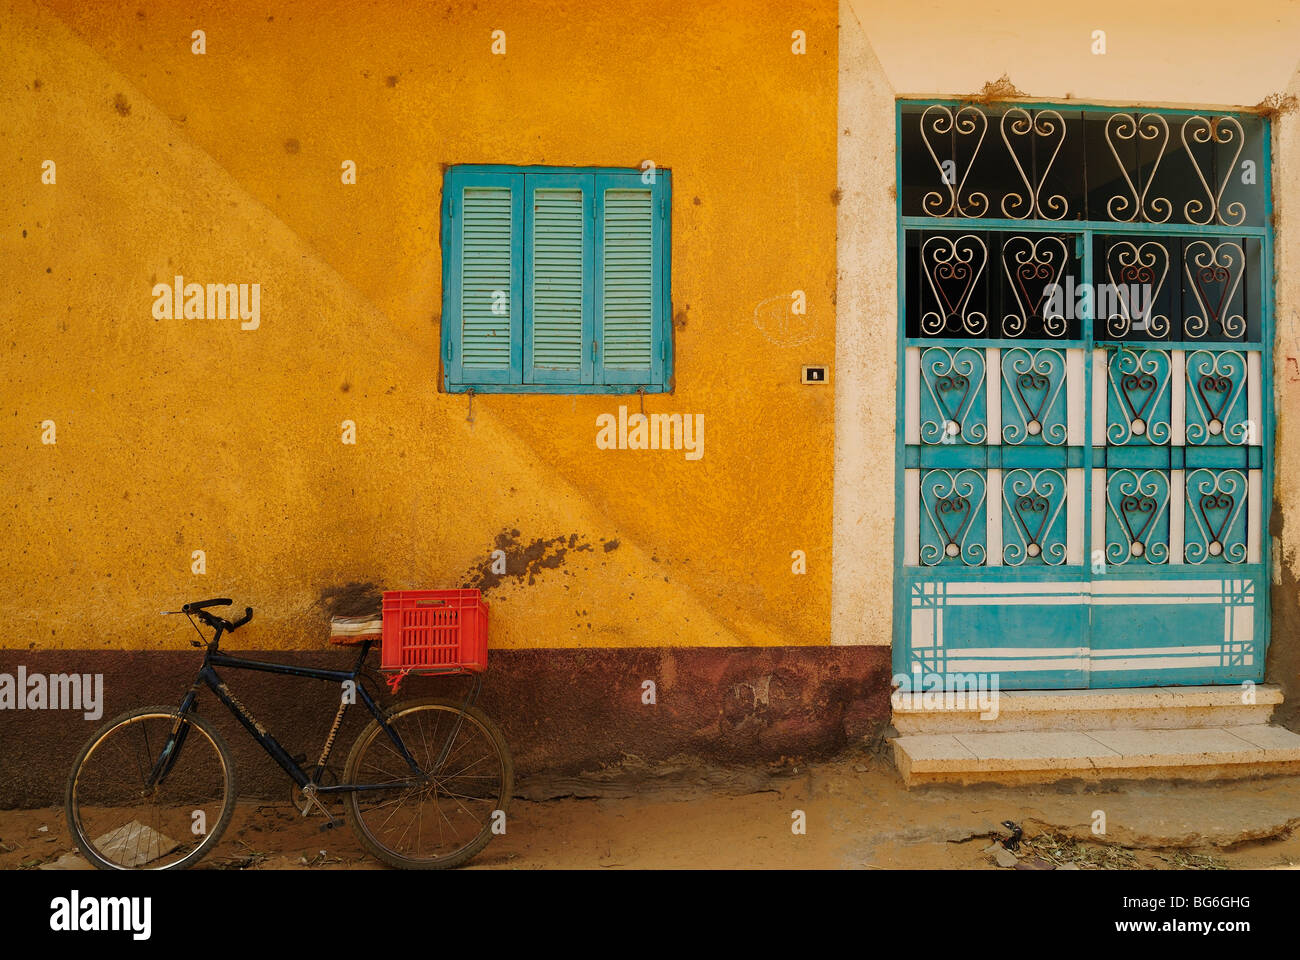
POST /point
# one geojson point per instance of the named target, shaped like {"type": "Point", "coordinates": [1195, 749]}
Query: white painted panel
{"type": "Point", "coordinates": [993, 389]}
{"type": "Point", "coordinates": [1161, 663]}
{"type": "Point", "coordinates": [1098, 512]}
{"type": "Point", "coordinates": [1074, 510]}
{"type": "Point", "coordinates": [912, 396]}
{"type": "Point", "coordinates": [923, 628]}
{"type": "Point", "coordinates": [1145, 589]}
{"type": "Point", "coordinates": [1177, 514]}
{"type": "Point", "coordinates": [1099, 398]}
{"type": "Point", "coordinates": [999, 664]}
{"type": "Point", "coordinates": [1178, 398]}
{"type": "Point", "coordinates": [1254, 397]}
{"type": "Point", "coordinates": [912, 518]}
{"type": "Point", "coordinates": [1254, 518]}
{"type": "Point", "coordinates": [993, 518]}
{"type": "Point", "coordinates": [1243, 625]}
{"type": "Point", "coordinates": [1075, 391]}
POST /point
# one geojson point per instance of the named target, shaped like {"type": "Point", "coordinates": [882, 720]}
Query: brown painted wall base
{"type": "Point", "coordinates": [562, 711]}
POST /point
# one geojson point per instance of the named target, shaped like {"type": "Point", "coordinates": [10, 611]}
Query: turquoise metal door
{"type": "Point", "coordinates": [1085, 429]}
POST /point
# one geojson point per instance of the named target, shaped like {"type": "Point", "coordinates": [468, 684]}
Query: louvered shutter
{"type": "Point", "coordinates": [629, 285]}
{"type": "Point", "coordinates": [558, 279]}
{"type": "Point", "coordinates": [485, 282]}
{"type": "Point", "coordinates": [555, 278]}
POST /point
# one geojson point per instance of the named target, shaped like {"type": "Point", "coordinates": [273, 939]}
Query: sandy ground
{"type": "Point", "coordinates": [858, 815]}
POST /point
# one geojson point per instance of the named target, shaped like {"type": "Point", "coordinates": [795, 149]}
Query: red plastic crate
{"type": "Point", "coordinates": [435, 631]}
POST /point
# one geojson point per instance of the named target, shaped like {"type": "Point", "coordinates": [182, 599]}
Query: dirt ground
{"type": "Point", "coordinates": [857, 812]}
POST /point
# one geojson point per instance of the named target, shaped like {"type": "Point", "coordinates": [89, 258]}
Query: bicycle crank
{"type": "Point", "coordinates": [304, 801]}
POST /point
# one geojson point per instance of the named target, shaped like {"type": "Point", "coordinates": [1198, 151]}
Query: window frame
{"type": "Point", "coordinates": [522, 376]}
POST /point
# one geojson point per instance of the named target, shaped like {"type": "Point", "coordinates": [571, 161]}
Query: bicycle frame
{"type": "Point", "coordinates": [209, 677]}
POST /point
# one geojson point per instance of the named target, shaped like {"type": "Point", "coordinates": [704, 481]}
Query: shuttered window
{"type": "Point", "coordinates": [556, 280]}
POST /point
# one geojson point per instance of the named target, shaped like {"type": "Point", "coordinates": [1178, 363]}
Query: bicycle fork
{"type": "Point", "coordinates": [171, 750]}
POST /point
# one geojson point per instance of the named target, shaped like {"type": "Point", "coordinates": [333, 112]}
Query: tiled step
{"type": "Point", "coordinates": [1136, 708]}
{"type": "Point", "coordinates": [1203, 753]}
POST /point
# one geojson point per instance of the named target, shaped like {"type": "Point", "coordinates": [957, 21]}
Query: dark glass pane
{"type": "Point", "coordinates": [1127, 159]}
{"type": "Point", "coordinates": [1062, 175]}
{"type": "Point", "coordinates": [1009, 161]}
{"type": "Point", "coordinates": [946, 152]}
{"type": "Point", "coordinates": [979, 284]}
{"type": "Point", "coordinates": [1244, 186]}
{"type": "Point", "coordinates": [1136, 294]}
{"type": "Point", "coordinates": [1220, 289]}
{"type": "Point", "coordinates": [1177, 288]}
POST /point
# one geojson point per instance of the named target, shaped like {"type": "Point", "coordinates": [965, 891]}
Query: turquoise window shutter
{"type": "Point", "coordinates": [558, 279]}
{"type": "Point", "coordinates": [629, 296]}
{"type": "Point", "coordinates": [555, 280]}
{"type": "Point", "coordinates": [484, 302]}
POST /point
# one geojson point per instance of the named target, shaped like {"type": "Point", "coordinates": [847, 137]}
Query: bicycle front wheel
{"type": "Point", "coordinates": [445, 818]}
{"type": "Point", "coordinates": [150, 791]}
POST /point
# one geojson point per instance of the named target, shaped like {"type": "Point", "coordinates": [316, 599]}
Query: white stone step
{"type": "Point", "coordinates": [1128, 708]}
{"type": "Point", "coordinates": [1201, 753]}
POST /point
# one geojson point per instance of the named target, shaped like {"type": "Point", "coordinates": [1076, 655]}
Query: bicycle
{"type": "Point", "coordinates": [463, 784]}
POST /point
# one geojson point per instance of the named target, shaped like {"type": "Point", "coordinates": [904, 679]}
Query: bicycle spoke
{"type": "Point", "coordinates": [462, 801]}
{"type": "Point", "coordinates": [125, 823]}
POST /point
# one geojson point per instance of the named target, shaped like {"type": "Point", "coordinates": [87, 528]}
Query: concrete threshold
{"type": "Point", "coordinates": [1055, 711]}
{"type": "Point", "coordinates": [1202, 753]}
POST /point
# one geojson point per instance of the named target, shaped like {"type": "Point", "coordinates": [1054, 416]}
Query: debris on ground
{"type": "Point", "coordinates": [1059, 849]}
{"type": "Point", "coordinates": [134, 844]}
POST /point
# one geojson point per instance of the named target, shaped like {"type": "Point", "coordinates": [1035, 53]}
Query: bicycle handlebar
{"type": "Point", "coordinates": [198, 609]}
{"type": "Point", "coordinates": [201, 604]}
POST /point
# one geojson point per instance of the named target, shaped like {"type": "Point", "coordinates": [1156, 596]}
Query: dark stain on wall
{"type": "Point", "coordinates": [356, 599]}
{"type": "Point", "coordinates": [523, 561]}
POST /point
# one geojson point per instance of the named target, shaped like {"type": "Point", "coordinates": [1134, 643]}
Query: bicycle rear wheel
{"type": "Point", "coordinates": [445, 819]}
{"type": "Point", "coordinates": [150, 791]}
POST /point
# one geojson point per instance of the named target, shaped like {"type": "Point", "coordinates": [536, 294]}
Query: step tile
{"type": "Point", "coordinates": [1046, 748]}
{"type": "Point", "coordinates": [1269, 737]}
{"type": "Point", "coordinates": [1199, 745]}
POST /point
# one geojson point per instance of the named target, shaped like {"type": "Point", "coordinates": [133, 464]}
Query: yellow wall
{"type": "Point", "coordinates": [179, 435]}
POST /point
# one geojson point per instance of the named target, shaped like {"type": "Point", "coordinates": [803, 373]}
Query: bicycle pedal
{"type": "Point", "coordinates": [329, 825]}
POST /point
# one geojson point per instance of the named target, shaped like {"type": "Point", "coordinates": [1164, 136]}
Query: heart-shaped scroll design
{"type": "Point", "coordinates": [952, 267]}
{"type": "Point", "coordinates": [1139, 508]}
{"type": "Point", "coordinates": [1150, 127]}
{"type": "Point", "coordinates": [1128, 265]}
{"type": "Point", "coordinates": [1215, 392]}
{"type": "Point", "coordinates": [1045, 125]}
{"type": "Point", "coordinates": [955, 508]}
{"type": "Point", "coordinates": [1216, 380]}
{"type": "Point", "coordinates": [1033, 265]}
{"type": "Point", "coordinates": [1216, 131]}
{"type": "Point", "coordinates": [1214, 274]}
{"type": "Point", "coordinates": [968, 122]}
{"type": "Point", "coordinates": [1216, 513]}
{"type": "Point", "coordinates": [1031, 507]}
{"type": "Point", "coordinates": [1142, 386]}
{"type": "Point", "coordinates": [1216, 499]}
{"type": "Point", "coordinates": [951, 386]}
{"type": "Point", "coordinates": [1033, 384]}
